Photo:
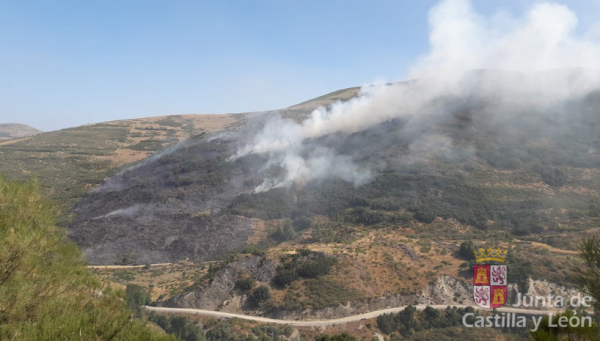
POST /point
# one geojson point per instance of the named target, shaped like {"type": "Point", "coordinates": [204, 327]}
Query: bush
{"type": "Point", "coordinates": [137, 298]}
{"type": "Point", "coordinates": [466, 250]}
{"type": "Point", "coordinates": [338, 337]}
{"type": "Point", "coordinates": [284, 232]}
{"type": "Point", "coordinates": [316, 268]}
{"type": "Point", "coordinates": [553, 177]}
{"type": "Point", "coordinates": [45, 287]}
{"type": "Point", "coordinates": [285, 277]}
{"type": "Point", "coordinates": [245, 284]}
{"type": "Point", "coordinates": [260, 295]}
{"type": "Point", "coordinates": [302, 223]}
{"type": "Point", "coordinates": [425, 216]}
{"type": "Point", "coordinates": [180, 326]}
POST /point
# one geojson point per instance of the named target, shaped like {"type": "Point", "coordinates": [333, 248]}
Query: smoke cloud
{"type": "Point", "coordinates": [544, 62]}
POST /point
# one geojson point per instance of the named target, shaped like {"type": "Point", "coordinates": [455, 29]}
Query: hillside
{"type": "Point", "coordinates": [373, 213]}
{"type": "Point", "coordinates": [496, 171]}
{"type": "Point", "coordinates": [16, 130]}
{"type": "Point", "coordinates": [71, 162]}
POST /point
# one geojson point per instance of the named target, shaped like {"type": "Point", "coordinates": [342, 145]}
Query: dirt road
{"type": "Point", "coordinates": [316, 323]}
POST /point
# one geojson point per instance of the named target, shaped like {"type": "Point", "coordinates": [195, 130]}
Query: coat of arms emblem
{"type": "Point", "coordinates": [490, 281]}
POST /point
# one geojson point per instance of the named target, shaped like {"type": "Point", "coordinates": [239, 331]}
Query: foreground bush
{"type": "Point", "coordinates": [46, 291]}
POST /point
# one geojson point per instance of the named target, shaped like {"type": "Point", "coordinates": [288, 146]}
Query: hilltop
{"type": "Point", "coordinates": [16, 130]}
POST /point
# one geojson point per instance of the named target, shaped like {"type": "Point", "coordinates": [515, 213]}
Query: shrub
{"type": "Point", "coordinates": [302, 223]}
{"type": "Point", "coordinates": [338, 337]}
{"type": "Point", "coordinates": [316, 268]}
{"type": "Point", "coordinates": [284, 232]}
{"type": "Point", "coordinates": [466, 250]}
{"type": "Point", "coordinates": [45, 286]}
{"type": "Point", "coordinates": [260, 295]}
{"type": "Point", "coordinates": [285, 277]}
{"type": "Point", "coordinates": [246, 283]}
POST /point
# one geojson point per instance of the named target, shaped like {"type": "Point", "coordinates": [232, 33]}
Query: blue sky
{"type": "Point", "coordinates": [67, 63]}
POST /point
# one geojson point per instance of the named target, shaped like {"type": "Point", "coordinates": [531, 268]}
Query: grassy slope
{"type": "Point", "coordinates": [71, 162]}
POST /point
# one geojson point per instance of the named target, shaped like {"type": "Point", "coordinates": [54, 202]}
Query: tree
{"type": "Point", "coordinates": [46, 290]}
{"type": "Point", "coordinates": [137, 298]}
{"type": "Point", "coordinates": [466, 250]}
{"type": "Point", "coordinates": [285, 277]}
{"type": "Point", "coordinates": [588, 275]}
{"type": "Point", "coordinates": [546, 332]}
{"type": "Point", "coordinates": [302, 223]}
{"type": "Point", "coordinates": [260, 295]}
{"type": "Point", "coordinates": [284, 232]}
{"type": "Point", "coordinates": [246, 283]}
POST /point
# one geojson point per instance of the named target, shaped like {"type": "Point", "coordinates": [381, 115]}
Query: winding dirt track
{"type": "Point", "coordinates": [124, 266]}
{"type": "Point", "coordinates": [315, 323]}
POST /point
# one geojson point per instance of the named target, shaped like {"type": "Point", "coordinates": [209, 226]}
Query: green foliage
{"type": "Point", "coordinates": [364, 216]}
{"type": "Point", "coordinates": [553, 177]}
{"type": "Point", "coordinates": [46, 291]}
{"type": "Point", "coordinates": [545, 332]}
{"type": "Point", "coordinates": [246, 283]}
{"type": "Point", "coordinates": [179, 326]}
{"type": "Point", "coordinates": [285, 277]}
{"type": "Point", "coordinates": [148, 145]}
{"type": "Point", "coordinates": [326, 292]}
{"type": "Point", "coordinates": [284, 232]}
{"type": "Point", "coordinates": [137, 298]}
{"type": "Point", "coordinates": [305, 264]}
{"type": "Point", "coordinates": [466, 250]}
{"type": "Point", "coordinates": [316, 268]}
{"type": "Point", "coordinates": [587, 275]}
{"type": "Point", "coordinates": [253, 250]}
{"type": "Point", "coordinates": [260, 295]}
{"type": "Point", "coordinates": [302, 223]}
{"type": "Point", "coordinates": [520, 269]}
{"type": "Point", "coordinates": [66, 162]}
{"type": "Point", "coordinates": [337, 337]}
{"type": "Point", "coordinates": [409, 320]}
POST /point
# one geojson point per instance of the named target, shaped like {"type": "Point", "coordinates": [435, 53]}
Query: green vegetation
{"type": "Point", "coordinates": [466, 250]}
{"type": "Point", "coordinates": [338, 337]}
{"type": "Point", "coordinates": [302, 264]}
{"type": "Point", "coordinates": [148, 145]}
{"type": "Point", "coordinates": [260, 295]}
{"type": "Point", "coordinates": [46, 291]}
{"type": "Point", "coordinates": [239, 330]}
{"type": "Point", "coordinates": [547, 333]}
{"type": "Point", "coordinates": [246, 283]}
{"type": "Point", "coordinates": [179, 326]}
{"type": "Point", "coordinates": [137, 298]}
{"type": "Point", "coordinates": [587, 275]}
{"type": "Point", "coordinates": [409, 320]}
{"type": "Point", "coordinates": [326, 292]}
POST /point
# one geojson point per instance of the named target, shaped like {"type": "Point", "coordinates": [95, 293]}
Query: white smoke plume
{"type": "Point", "coordinates": [544, 38]}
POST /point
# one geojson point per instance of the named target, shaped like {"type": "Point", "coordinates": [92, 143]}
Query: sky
{"type": "Point", "coordinates": [68, 63]}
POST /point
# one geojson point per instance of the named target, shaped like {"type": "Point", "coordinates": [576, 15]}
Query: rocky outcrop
{"type": "Point", "coordinates": [446, 290]}
{"type": "Point", "coordinates": [220, 294]}
{"type": "Point", "coordinates": [221, 290]}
